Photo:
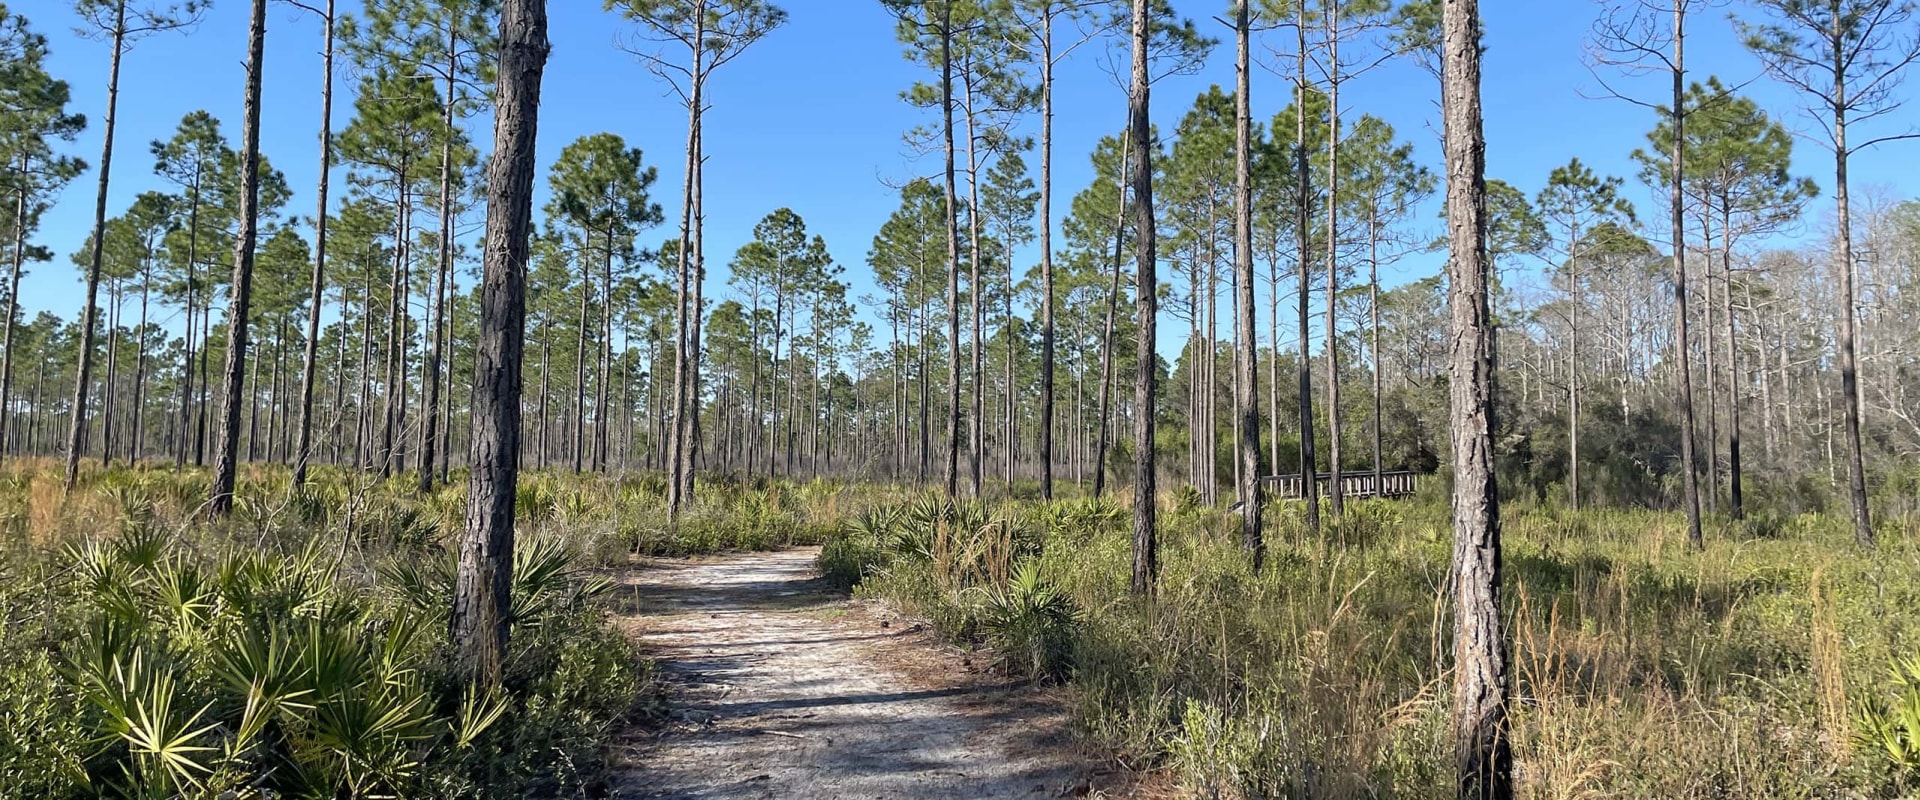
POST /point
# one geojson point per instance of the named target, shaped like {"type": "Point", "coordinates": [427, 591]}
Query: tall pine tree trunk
{"type": "Point", "coordinates": [429, 406]}
{"type": "Point", "coordinates": [579, 421]}
{"type": "Point", "coordinates": [677, 445]}
{"type": "Point", "coordinates": [1146, 565]}
{"type": "Point", "coordinates": [1483, 755]}
{"type": "Point", "coordinates": [1736, 503]}
{"type": "Point", "coordinates": [13, 304]}
{"type": "Point", "coordinates": [137, 440]}
{"type": "Point", "coordinates": [1682, 345]}
{"type": "Point", "coordinates": [953, 253]}
{"type": "Point", "coordinates": [77, 430]}
{"type": "Point", "coordinates": [226, 455]}
{"type": "Point", "coordinates": [1102, 434]}
{"type": "Point", "coordinates": [1849, 325]}
{"type": "Point", "coordinates": [1336, 497]}
{"type": "Point", "coordinates": [479, 621]}
{"type": "Point", "coordinates": [1045, 425]}
{"type": "Point", "coordinates": [1246, 367]}
{"type": "Point", "coordinates": [317, 286]}
{"type": "Point", "coordinates": [1309, 476]}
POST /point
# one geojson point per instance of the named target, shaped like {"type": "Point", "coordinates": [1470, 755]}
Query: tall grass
{"type": "Point", "coordinates": [1640, 670]}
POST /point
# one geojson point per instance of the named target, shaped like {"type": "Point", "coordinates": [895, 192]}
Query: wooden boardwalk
{"type": "Point", "coordinates": [1352, 484]}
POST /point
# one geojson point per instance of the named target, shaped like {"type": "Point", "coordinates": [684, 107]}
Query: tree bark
{"type": "Point", "coordinates": [578, 441]}
{"type": "Point", "coordinates": [479, 621]}
{"type": "Point", "coordinates": [429, 406]}
{"type": "Point", "coordinates": [1736, 502]}
{"type": "Point", "coordinates": [1246, 366]}
{"type": "Point", "coordinates": [1373, 349]}
{"type": "Point", "coordinates": [1482, 752]}
{"type": "Point", "coordinates": [1103, 432]}
{"type": "Point", "coordinates": [1045, 454]}
{"type": "Point", "coordinates": [138, 437]}
{"type": "Point", "coordinates": [1849, 324]}
{"type": "Point", "coordinates": [13, 303]}
{"type": "Point", "coordinates": [682, 324]}
{"type": "Point", "coordinates": [77, 430]}
{"type": "Point", "coordinates": [1682, 347]}
{"type": "Point", "coordinates": [1309, 476]}
{"type": "Point", "coordinates": [953, 254]}
{"type": "Point", "coordinates": [226, 455]}
{"type": "Point", "coordinates": [1336, 497]}
{"type": "Point", "coordinates": [1146, 564]}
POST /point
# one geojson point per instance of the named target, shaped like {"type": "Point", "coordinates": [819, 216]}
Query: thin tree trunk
{"type": "Point", "coordinates": [1710, 348]}
{"type": "Point", "coordinates": [1736, 505]}
{"type": "Point", "coordinates": [1849, 325]}
{"type": "Point", "coordinates": [1309, 476]}
{"type": "Point", "coordinates": [1682, 347]}
{"type": "Point", "coordinates": [1246, 367]}
{"type": "Point", "coordinates": [226, 455]}
{"type": "Point", "coordinates": [976, 417]}
{"type": "Point", "coordinates": [698, 261]}
{"type": "Point", "coordinates": [113, 374]}
{"type": "Point", "coordinates": [479, 621]}
{"type": "Point", "coordinates": [600, 415]}
{"type": "Point", "coordinates": [396, 331]}
{"type": "Point", "coordinates": [13, 303]}
{"type": "Point", "coordinates": [1145, 535]}
{"type": "Point", "coordinates": [1482, 752]}
{"type": "Point", "coordinates": [1103, 435]}
{"type": "Point", "coordinates": [77, 431]}
{"type": "Point", "coordinates": [138, 439]}
{"type": "Point", "coordinates": [1373, 349]}
{"type": "Point", "coordinates": [429, 406]}
{"type": "Point", "coordinates": [1573, 371]}
{"type": "Point", "coordinates": [577, 443]}
{"type": "Point", "coordinates": [1045, 424]}
{"type": "Point", "coordinates": [953, 253]}
{"type": "Point", "coordinates": [682, 323]}
{"type": "Point", "coordinates": [1335, 495]}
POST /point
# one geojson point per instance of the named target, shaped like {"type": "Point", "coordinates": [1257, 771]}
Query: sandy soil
{"type": "Point", "coordinates": [779, 688]}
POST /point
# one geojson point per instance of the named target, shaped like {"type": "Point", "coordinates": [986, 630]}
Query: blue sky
{"type": "Point", "coordinates": [811, 117]}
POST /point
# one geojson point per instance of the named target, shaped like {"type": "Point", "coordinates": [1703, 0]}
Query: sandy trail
{"type": "Point", "coordinates": [778, 688]}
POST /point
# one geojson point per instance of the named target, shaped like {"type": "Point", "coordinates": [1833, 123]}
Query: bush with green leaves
{"type": "Point", "coordinates": [1030, 623]}
{"type": "Point", "coordinates": [180, 658]}
{"type": "Point", "coordinates": [1889, 730]}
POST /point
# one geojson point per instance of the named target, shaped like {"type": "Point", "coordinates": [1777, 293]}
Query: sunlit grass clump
{"type": "Point", "coordinates": [1757, 669]}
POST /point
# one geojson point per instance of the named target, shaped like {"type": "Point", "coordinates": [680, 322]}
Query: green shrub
{"type": "Point", "coordinates": [1890, 730]}
{"type": "Point", "coordinates": [1030, 623]}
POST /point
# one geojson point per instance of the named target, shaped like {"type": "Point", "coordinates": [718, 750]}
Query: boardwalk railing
{"type": "Point", "coordinates": [1352, 484]}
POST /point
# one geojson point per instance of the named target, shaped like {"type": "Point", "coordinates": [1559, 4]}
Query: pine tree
{"type": "Point", "coordinates": [600, 193]}
{"type": "Point", "coordinates": [1483, 754]}
{"type": "Point", "coordinates": [481, 616]}
{"type": "Point", "coordinates": [227, 455]}
{"type": "Point", "coordinates": [33, 105]}
{"type": "Point", "coordinates": [1576, 200]}
{"type": "Point", "coordinates": [1846, 57]}
{"type": "Point", "coordinates": [713, 33]}
{"type": "Point", "coordinates": [121, 22]}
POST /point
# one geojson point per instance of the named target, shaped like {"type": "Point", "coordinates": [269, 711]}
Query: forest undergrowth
{"type": "Point", "coordinates": [1782, 662]}
{"type": "Point", "coordinates": [300, 648]}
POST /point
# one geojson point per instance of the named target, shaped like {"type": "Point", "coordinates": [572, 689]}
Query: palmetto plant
{"type": "Point", "coordinates": [1030, 622]}
{"type": "Point", "coordinates": [149, 653]}
{"type": "Point", "coordinates": [1891, 729]}
{"type": "Point", "coordinates": [200, 677]}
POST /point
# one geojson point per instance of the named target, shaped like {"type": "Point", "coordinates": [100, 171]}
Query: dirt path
{"type": "Point", "coordinates": [779, 688]}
